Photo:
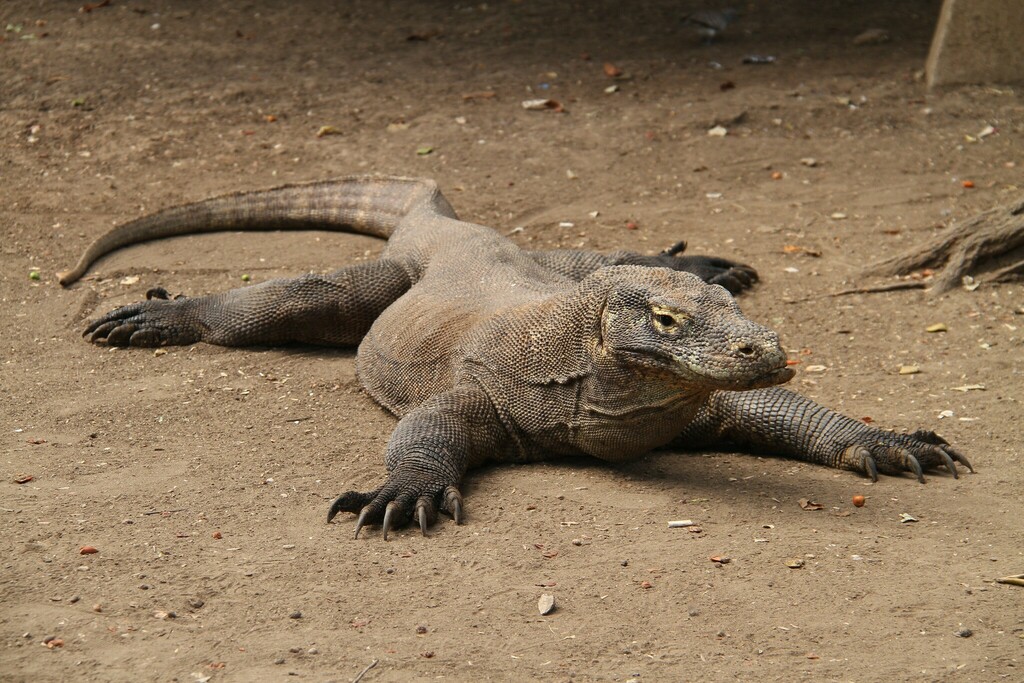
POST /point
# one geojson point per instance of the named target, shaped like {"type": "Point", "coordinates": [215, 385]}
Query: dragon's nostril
{"type": "Point", "coordinates": [743, 348]}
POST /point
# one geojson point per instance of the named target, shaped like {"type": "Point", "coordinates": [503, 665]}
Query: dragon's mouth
{"type": "Point", "coordinates": [777, 375]}
{"type": "Point", "coordinates": [694, 373]}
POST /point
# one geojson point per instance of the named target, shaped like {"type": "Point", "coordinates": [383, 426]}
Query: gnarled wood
{"type": "Point", "coordinates": [991, 242]}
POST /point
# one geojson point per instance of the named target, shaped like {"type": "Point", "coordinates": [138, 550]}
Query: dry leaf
{"type": "Point", "coordinates": [540, 105]}
{"type": "Point", "coordinates": [808, 504]}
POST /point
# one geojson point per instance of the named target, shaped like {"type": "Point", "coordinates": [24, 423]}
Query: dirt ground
{"type": "Point", "coordinates": [203, 475]}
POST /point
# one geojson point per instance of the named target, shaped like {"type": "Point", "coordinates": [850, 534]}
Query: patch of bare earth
{"type": "Point", "coordinates": [203, 475]}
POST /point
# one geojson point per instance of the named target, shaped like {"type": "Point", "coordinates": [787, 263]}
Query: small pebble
{"type": "Point", "coordinates": [624, 563]}
{"type": "Point", "coordinates": [693, 612]}
{"type": "Point", "coordinates": [421, 629]}
{"type": "Point", "coordinates": [195, 603]}
{"type": "Point", "coordinates": [279, 660]}
{"type": "Point", "coordinates": [312, 651]}
{"type": "Point", "coordinates": [295, 650]}
{"type": "Point", "coordinates": [963, 633]}
{"type": "Point", "coordinates": [97, 607]}
{"type": "Point", "coordinates": [75, 598]}
{"type": "Point", "coordinates": [295, 615]}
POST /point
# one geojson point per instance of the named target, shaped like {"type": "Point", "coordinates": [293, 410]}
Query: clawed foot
{"type": "Point", "coordinates": [159, 321]}
{"type": "Point", "coordinates": [393, 505]}
{"type": "Point", "coordinates": [896, 453]}
{"type": "Point", "coordinates": [736, 277]}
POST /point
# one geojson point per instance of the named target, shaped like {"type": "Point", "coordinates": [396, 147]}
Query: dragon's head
{"type": "Point", "coordinates": [673, 324]}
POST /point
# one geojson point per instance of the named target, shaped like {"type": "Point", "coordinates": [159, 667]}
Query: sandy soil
{"type": "Point", "coordinates": [203, 475]}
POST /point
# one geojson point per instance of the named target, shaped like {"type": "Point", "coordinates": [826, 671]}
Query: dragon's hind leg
{"type": "Point", "coordinates": [336, 309]}
{"type": "Point", "coordinates": [736, 277]}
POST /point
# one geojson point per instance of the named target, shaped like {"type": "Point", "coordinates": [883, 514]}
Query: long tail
{"type": "Point", "coordinates": [368, 205]}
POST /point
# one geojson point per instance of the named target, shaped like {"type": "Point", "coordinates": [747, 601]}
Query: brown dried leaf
{"type": "Point", "coordinates": [808, 504]}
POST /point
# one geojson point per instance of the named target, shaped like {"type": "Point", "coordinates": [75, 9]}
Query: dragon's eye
{"type": "Point", "coordinates": [666, 319]}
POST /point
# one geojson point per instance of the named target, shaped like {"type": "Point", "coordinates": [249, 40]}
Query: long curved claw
{"type": "Point", "coordinates": [364, 515]}
{"type": "Point", "coordinates": [950, 465]}
{"type": "Point", "coordinates": [858, 457]}
{"type": "Point", "coordinates": [958, 457]}
{"type": "Point", "coordinates": [913, 464]}
{"type": "Point", "coordinates": [426, 512]}
{"type": "Point", "coordinates": [453, 503]}
{"type": "Point", "coordinates": [389, 518]}
{"type": "Point", "coordinates": [421, 517]}
{"type": "Point", "coordinates": [335, 509]}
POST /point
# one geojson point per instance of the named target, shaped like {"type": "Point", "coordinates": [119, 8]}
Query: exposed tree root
{"type": "Point", "coordinates": [888, 287]}
{"type": "Point", "coordinates": [991, 242]}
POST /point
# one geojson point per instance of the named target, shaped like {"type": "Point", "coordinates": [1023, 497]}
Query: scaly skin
{"type": "Point", "coordinates": [486, 352]}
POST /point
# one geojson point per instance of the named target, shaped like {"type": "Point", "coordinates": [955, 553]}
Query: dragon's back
{"type": "Point", "coordinates": [471, 277]}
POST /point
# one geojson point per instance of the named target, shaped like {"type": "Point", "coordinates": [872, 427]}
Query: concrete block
{"type": "Point", "coordinates": [977, 41]}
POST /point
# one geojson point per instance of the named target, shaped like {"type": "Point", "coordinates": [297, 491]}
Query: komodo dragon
{"type": "Point", "coordinates": [487, 352]}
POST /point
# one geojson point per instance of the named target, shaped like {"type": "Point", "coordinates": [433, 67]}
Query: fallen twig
{"type": "Point", "coordinates": [874, 289]}
{"type": "Point", "coordinates": [1017, 580]}
{"type": "Point", "coordinates": [363, 672]}
{"type": "Point", "coordinates": [163, 512]}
